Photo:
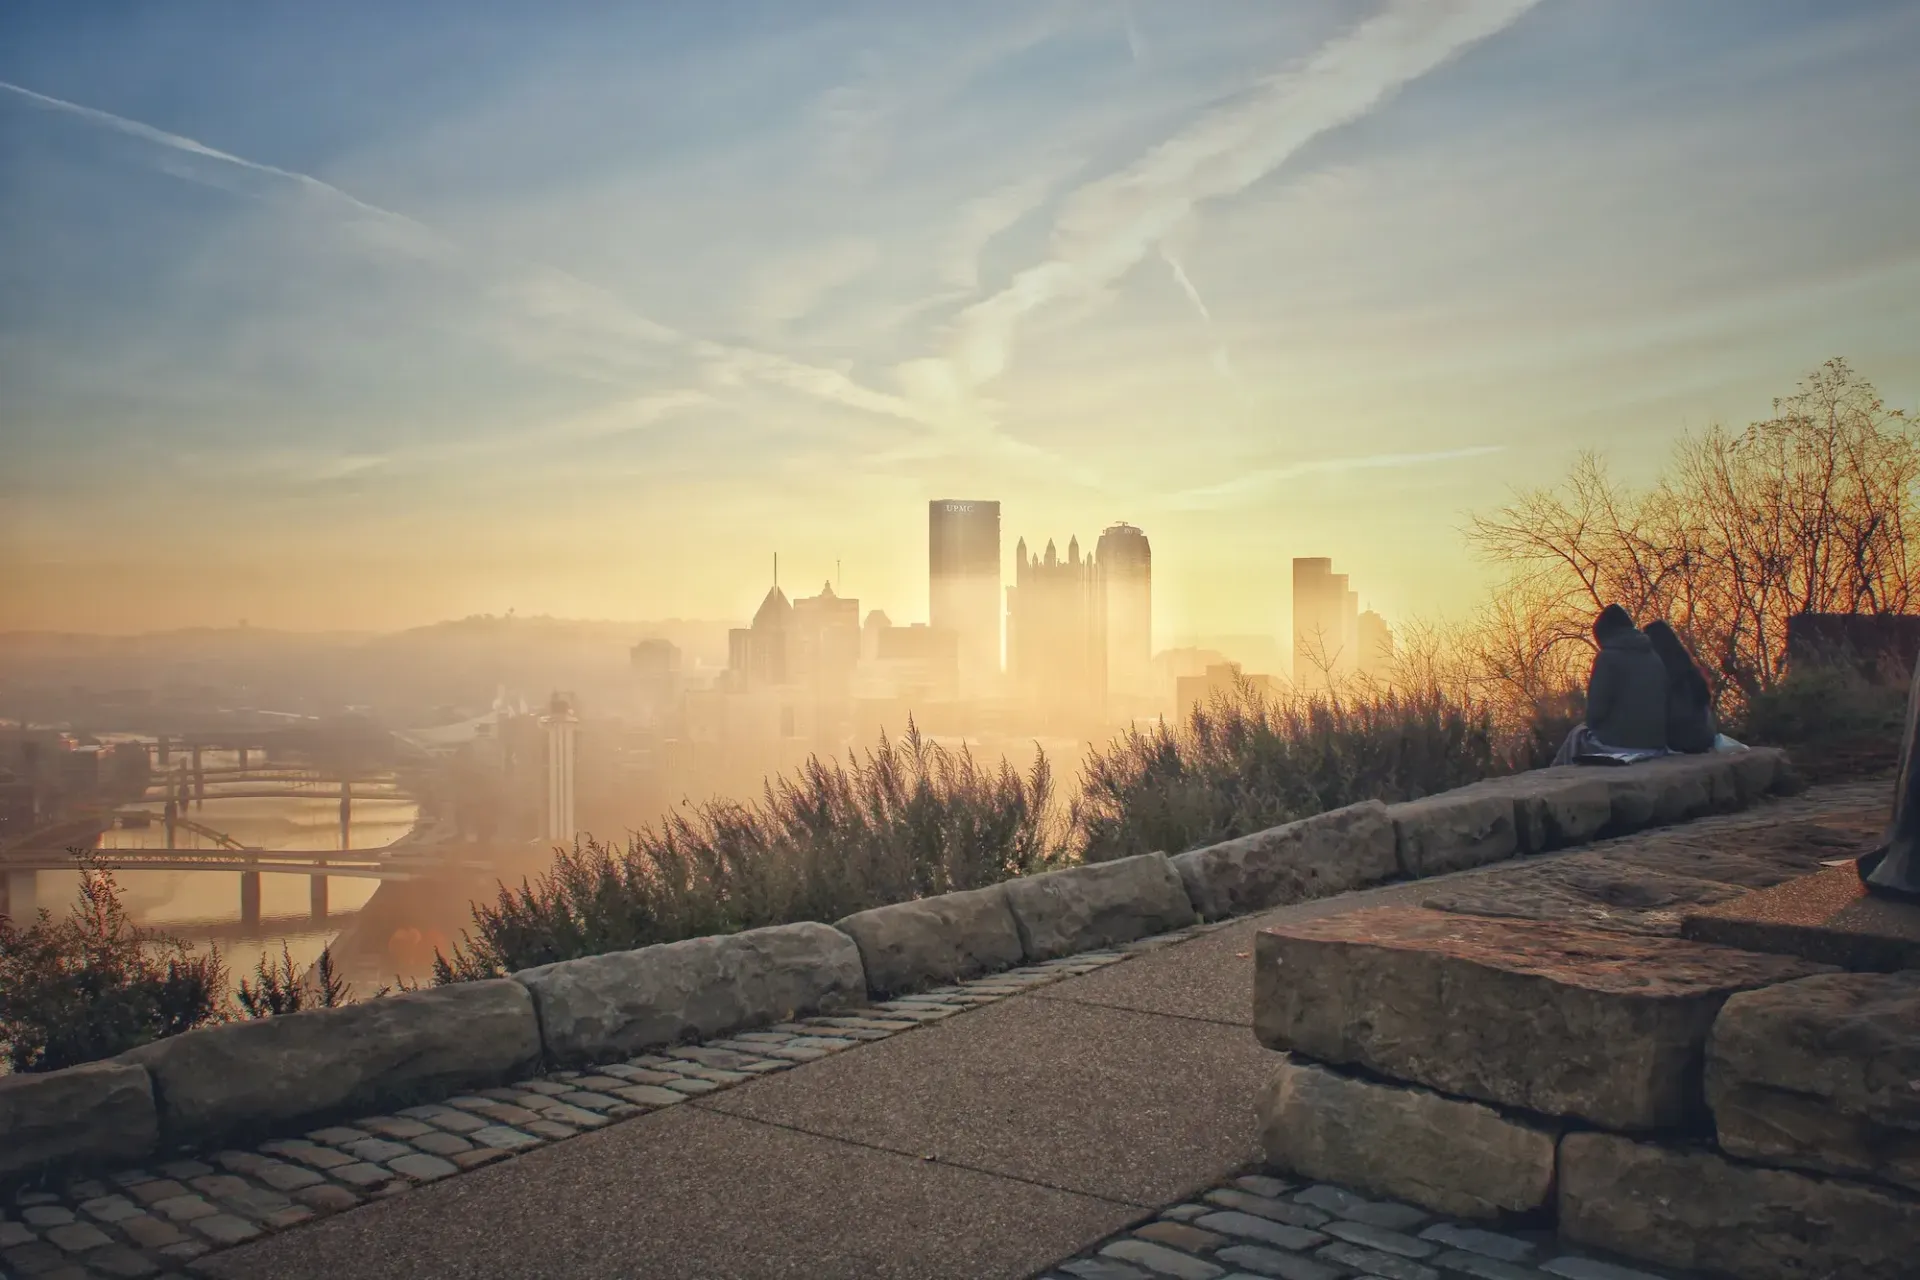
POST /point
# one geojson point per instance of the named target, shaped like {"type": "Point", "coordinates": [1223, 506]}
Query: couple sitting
{"type": "Point", "coordinates": [1645, 698]}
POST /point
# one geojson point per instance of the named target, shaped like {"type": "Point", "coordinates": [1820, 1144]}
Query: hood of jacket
{"type": "Point", "coordinates": [1626, 640]}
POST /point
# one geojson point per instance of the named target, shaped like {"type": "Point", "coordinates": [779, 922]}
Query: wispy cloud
{"type": "Point", "coordinates": [1106, 227]}
{"type": "Point", "coordinates": [1254, 483]}
{"type": "Point", "coordinates": [566, 315]}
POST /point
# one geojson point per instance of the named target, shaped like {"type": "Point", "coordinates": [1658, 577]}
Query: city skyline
{"type": "Point", "coordinates": [564, 310]}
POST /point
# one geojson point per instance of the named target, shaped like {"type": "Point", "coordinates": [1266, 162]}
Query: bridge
{"type": "Point", "coordinates": [402, 862]}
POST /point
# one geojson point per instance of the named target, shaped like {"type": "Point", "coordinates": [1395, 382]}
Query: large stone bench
{"type": "Point", "coordinates": [1548, 1018]}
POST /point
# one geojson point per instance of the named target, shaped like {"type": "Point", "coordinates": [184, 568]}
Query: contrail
{"type": "Point", "coordinates": [1105, 229]}
{"type": "Point", "coordinates": [1211, 496]}
{"type": "Point", "coordinates": [542, 290]}
{"type": "Point", "coordinates": [1180, 276]}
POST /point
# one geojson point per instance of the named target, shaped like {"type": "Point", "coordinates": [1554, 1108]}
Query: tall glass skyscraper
{"type": "Point", "coordinates": [963, 555]}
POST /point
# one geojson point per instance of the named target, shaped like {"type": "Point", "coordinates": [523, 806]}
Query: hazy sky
{"type": "Point", "coordinates": [361, 314]}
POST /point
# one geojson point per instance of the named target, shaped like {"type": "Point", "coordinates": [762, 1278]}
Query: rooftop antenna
{"type": "Point", "coordinates": [836, 575]}
{"type": "Point", "coordinates": [776, 570]}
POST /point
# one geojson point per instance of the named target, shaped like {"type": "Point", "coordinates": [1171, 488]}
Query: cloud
{"type": "Point", "coordinates": [554, 316]}
{"type": "Point", "coordinates": [792, 287]}
{"type": "Point", "coordinates": [1241, 488]}
{"type": "Point", "coordinates": [1106, 227]}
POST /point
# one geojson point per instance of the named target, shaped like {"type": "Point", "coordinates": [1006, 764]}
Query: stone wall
{"type": "Point", "coordinates": [1691, 1105]}
{"type": "Point", "coordinates": [285, 1074]}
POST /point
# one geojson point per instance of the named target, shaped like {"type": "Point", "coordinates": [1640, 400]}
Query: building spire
{"type": "Point", "coordinates": [776, 571]}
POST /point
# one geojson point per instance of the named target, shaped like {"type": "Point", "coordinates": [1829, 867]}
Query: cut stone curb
{"type": "Point", "coordinates": [245, 1078]}
{"type": "Point", "coordinates": [1822, 1074]}
{"type": "Point", "coordinates": [1060, 913]}
{"type": "Point", "coordinates": [1317, 857]}
{"type": "Point", "coordinates": [98, 1112]}
{"type": "Point", "coordinates": [1459, 1158]}
{"type": "Point", "coordinates": [625, 1002]}
{"type": "Point", "coordinates": [1545, 1017]}
{"type": "Point", "coordinates": [1698, 1210]}
{"type": "Point", "coordinates": [910, 945]}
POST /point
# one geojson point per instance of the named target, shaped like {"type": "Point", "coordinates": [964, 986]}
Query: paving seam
{"type": "Point", "coordinates": [908, 1155]}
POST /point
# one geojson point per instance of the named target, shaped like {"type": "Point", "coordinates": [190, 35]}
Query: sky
{"type": "Point", "coordinates": [364, 315]}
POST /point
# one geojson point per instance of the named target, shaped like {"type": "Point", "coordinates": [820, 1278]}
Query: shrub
{"type": "Point", "coordinates": [907, 819]}
{"type": "Point", "coordinates": [1246, 760]}
{"type": "Point", "coordinates": [281, 988]}
{"type": "Point", "coordinates": [93, 985]}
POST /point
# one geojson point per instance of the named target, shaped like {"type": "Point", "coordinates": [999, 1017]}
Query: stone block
{"type": "Point", "coordinates": [96, 1113]}
{"type": "Point", "coordinates": [1697, 1210]}
{"type": "Point", "coordinates": [1453, 831]}
{"type": "Point", "coordinates": [910, 945]}
{"type": "Point", "coordinates": [1827, 916]}
{"type": "Point", "coordinates": [249, 1077]}
{"type": "Point", "coordinates": [1822, 1074]}
{"type": "Point", "coordinates": [1596, 890]}
{"type": "Point", "coordinates": [1316, 857]}
{"type": "Point", "coordinates": [1458, 1158]}
{"type": "Point", "coordinates": [600, 1008]}
{"type": "Point", "coordinates": [1060, 913]}
{"type": "Point", "coordinates": [1672, 789]}
{"type": "Point", "coordinates": [1552, 808]}
{"type": "Point", "coordinates": [1546, 1017]}
{"type": "Point", "coordinates": [1758, 770]}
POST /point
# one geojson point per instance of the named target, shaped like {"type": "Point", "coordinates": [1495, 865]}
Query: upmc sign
{"type": "Point", "coordinates": [959, 508]}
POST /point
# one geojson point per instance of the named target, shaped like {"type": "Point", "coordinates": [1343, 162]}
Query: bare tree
{"type": "Point", "coordinates": [1807, 512]}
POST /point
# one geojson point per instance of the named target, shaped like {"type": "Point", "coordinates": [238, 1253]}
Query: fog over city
{"type": "Point", "coordinates": [432, 436]}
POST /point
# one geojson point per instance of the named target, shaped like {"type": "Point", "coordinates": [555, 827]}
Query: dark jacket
{"type": "Point", "coordinates": [1690, 726]}
{"type": "Point", "coordinates": [1627, 693]}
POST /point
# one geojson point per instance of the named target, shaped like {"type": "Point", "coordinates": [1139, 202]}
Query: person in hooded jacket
{"type": "Point", "coordinates": [1626, 696]}
{"type": "Point", "coordinates": [1690, 726]}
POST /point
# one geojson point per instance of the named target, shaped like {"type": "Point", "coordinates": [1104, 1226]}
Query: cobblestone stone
{"type": "Point", "coordinates": [1333, 1200]}
{"type": "Point", "coordinates": [150, 1232]}
{"type": "Point", "coordinates": [338, 1136]}
{"type": "Point", "coordinates": [77, 1237]}
{"type": "Point", "coordinates": [1263, 1185]}
{"type": "Point", "coordinates": [1180, 1236]}
{"type": "Point", "coordinates": [375, 1150]}
{"type": "Point", "coordinates": [441, 1144]}
{"type": "Point", "coordinates": [1475, 1240]}
{"type": "Point", "coordinates": [118, 1260]}
{"type": "Point", "coordinates": [591, 1100]}
{"type": "Point", "coordinates": [578, 1117]}
{"type": "Point", "coordinates": [504, 1138]}
{"type": "Point", "coordinates": [1294, 1215]}
{"type": "Point", "coordinates": [552, 1130]}
{"type": "Point", "coordinates": [423, 1168]}
{"type": "Point", "coordinates": [1161, 1260]}
{"type": "Point", "coordinates": [361, 1175]}
{"type": "Point", "coordinates": [692, 1086]}
{"type": "Point", "coordinates": [14, 1234]}
{"type": "Point", "coordinates": [448, 1119]}
{"type": "Point", "coordinates": [309, 1154]}
{"type": "Point", "coordinates": [1481, 1267]}
{"type": "Point", "coordinates": [327, 1198]}
{"type": "Point", "coordinates": [1265, 1231]}
{"type": "Point", "coordinates": [1372, 1262]}
{"type": "Point", "coordinates": [225, 1228]}
{"type": "Point", "coordinates": [479, 1156]}
{"type": "Point", "coordinates": [1183, 1212]}
{"type": "Point", "coordinates": [34, 1259]}
{"type": "Point", "coordinates": [1380, 1238]}
{"type": "Point", "coordinates": [46, 1215]}
{"type": "Point", "coordinates": [547, 1087]}
{"type": "Point", "coordinates": [1271, 1262]}
{"type": "Point", "coordinates": [184, 1208]}
{"type": "Point", "coordinates": [403, 1127]}
{"type": "Point", "coordinates": [185, 1169]}
{"type": "Point", "coordinates": [1102, 1269]}
{"type": "Point", "coordinates": [650, 1095]}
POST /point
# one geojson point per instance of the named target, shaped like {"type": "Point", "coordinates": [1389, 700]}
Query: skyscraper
{"type": "Point", "coordinates": [561, 724]}
{"type": "Point", "coordinates": [963, 560]}
{"type": "Point", "coordinates": [1376, 646]}
{"type": "Point", "coordinates": [1056, 632]}
{"type": "Point", "coordinates": [1124, 562]}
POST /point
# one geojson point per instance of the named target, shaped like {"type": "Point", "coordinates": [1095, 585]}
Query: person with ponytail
{"type": "Point", "coordinates": [1690, 726]}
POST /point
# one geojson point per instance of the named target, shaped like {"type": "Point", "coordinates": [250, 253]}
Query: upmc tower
{"type": "Point", "coordinates": [963, 556]}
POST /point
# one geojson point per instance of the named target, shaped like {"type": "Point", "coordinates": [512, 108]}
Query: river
{"type": "Point", "coordinates": [203, 907]}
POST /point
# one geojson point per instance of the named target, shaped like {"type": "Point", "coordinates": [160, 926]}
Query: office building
{"type": "Point", "coordinates": [1056, 633]}
{"type": "Point", "coordinates": [1222, 680]}
{"type": "Point", "coordinates": [562, 726]}
{"type": "Point", "coordinates": [1124, 561]}
{"type": "Point", "coordinates": [1326, 625]}
{"type": "Point", "coordinates": [823, 642]}
{"type": "Point", "coordinates": [1376, 647]}
{"type": "Point", "coordinates": [963, 562]}
{"type": "Point", "coordinates": [757, 654]}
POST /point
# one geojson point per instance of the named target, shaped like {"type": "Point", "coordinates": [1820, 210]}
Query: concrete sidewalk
{"type": "Point", "coordinates": [981, 1148]}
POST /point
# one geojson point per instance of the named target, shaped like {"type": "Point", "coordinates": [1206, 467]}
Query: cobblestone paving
{"type": "Point", "coordinates": [1255, 1225]}
{"type": "Point", "coordinates": [156, 1220]}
